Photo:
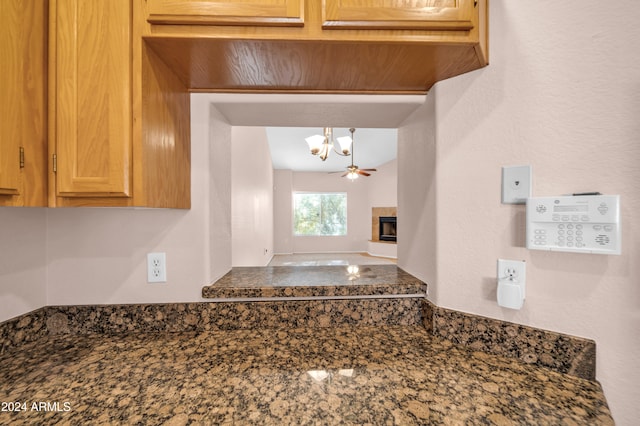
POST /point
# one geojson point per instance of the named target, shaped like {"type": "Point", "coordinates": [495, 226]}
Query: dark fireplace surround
{"type": "Point", "coordinates": [387, 231]}
{"type": "Point", "coordinates": [378, 229]}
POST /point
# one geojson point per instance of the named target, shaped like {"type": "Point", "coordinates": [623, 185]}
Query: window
{"type": "Point", "coordinates": [320, 214]}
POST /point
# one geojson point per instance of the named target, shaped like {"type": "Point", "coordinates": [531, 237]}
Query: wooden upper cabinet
{"type": "Point", "coordinates": [119, 118]}
{"type": "Point", "coordinates": [93, 69]}
{"type": "Point", "coordinates": [228, 12]}
{"type": "Point", "coordinates": [23, 103]}
{"type": "Point", "coordinates": [452, 15]}
{"type": "Point", "coordinates": [344, 46]}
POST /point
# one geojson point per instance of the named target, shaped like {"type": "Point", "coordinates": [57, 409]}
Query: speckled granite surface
{"type": "Point", "coordinates": [560, 352]}
{"type": "Point", "coordinates": [305, 376]}
{"type": "Point", "coordinates": [25, 328]}
{"type": "Point", "coordinates": [178, 317]}
{"type": "Point", "coordinates": [314, 281]}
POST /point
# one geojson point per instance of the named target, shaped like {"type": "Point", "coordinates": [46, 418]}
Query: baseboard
{"type": "Point", "coordinates": [380, 255]}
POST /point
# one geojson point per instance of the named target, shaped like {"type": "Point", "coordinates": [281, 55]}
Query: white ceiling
{"type": "Point", "coordinates": [289, 118]}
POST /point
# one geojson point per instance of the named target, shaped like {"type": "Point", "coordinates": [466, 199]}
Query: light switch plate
{"type": "Point", "coordinates": [516, 184]}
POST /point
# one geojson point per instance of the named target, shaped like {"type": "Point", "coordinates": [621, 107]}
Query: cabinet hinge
{"type": "Point", "coordinates": [21, 157]}
{"type": "Point", "coordinates": [55, 163]}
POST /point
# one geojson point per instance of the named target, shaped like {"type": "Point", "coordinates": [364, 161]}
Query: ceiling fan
{"type": "Point", "coordinates": [353, 171]}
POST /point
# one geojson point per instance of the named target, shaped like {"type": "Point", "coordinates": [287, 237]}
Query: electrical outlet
{"type": "Point", "coordinates": [511, 270]}
{"type": "Point", "coordinates": [511, 283]}
{"type": "Point", "coordinates": [156, 268]}
{"type": "Point", "coordinates": [511, 273]}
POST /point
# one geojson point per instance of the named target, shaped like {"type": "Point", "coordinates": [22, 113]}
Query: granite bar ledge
{"type": "Point", "coordinates": [315, 281]}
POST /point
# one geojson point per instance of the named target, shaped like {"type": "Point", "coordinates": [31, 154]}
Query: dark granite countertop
{"type": "Point", "coordinates": [393, 375]}
{"type": "Point", "coordinates": [314, 281]}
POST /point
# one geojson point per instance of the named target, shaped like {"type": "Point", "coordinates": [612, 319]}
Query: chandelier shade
{"type": "Point", "coordinates": [345, 144]}
{"type": "Point", "coordinates": [315, 143]}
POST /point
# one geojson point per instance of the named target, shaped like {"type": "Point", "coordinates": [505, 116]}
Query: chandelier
{"type": "Point", "coordinates": [322, 145]}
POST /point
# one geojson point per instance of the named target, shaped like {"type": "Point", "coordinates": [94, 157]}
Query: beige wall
{"type": "Point", "coordinates": [383, 185]}
{"type": "Point", "coordinates": [282, 211]}
{"type": "Point", "coordinates": [417, 225]}
{"type": "Point", "coordinates": [23, 260]}
{"type": "Point", "coordinates": [218, 178]}
{"type": "Point", "coordinates": [251, 197]}
{"type": "Point", "coordinates": [561, 94]}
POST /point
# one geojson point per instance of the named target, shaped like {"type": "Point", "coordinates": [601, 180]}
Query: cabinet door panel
{"type": "Point", "coordinates": [450, 15]}
{"type": "Point", "coordinates": [22, 103]}
{"type": "Point", "coordinates": [12, 61]}
{"type": "Point", "coordinates": [230, 12]}
{"type": "Point", "coordinates": [93, 106]}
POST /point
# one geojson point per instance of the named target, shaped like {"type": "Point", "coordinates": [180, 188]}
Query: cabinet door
{"type": "Point", "coordinates": [11, 59]}
{"type": "Point", "coordinates": [452, 15]}
{"type": "Point", "coordinates": [22, 103]}
{"type": "Point", "coordinates": [229, 12]}
{"type": "Point", "coordinates": [93, 98]}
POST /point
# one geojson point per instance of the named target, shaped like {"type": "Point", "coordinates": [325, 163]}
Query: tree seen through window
{"type": "Point", "coordinates": [322, 214]}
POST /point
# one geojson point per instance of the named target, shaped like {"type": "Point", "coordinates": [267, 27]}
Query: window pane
{"type": "Point", "coordinates": [321, 214]}
{"type": "Point", "coordinates": [306, 214]}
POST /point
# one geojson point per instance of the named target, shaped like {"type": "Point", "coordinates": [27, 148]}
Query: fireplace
{"type": "Point", "coordinates": [387, 228]}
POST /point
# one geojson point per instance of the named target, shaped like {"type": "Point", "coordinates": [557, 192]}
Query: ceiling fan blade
{"type": "Point", "coordinates": [370, 170]}
{"type": "Point", "coordinates": [344, 174]}
{"type": "Point", "coordinates": [360, 172]}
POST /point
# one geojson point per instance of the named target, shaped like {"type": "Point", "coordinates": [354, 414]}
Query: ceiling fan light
{"type": "Point", "coordinates": [353, 175]}
{"type": "Point", "coordinates": [345, 144]}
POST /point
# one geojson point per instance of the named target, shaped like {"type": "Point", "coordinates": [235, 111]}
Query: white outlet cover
{"type": "Point", "coordinates": [516, 184]}
{"type": "Point", "coordinates": [511, 276]}
{"type": "Point", "coordinates": [156, 267]}
{"type": "Point", "coordinates": [519, 275]}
